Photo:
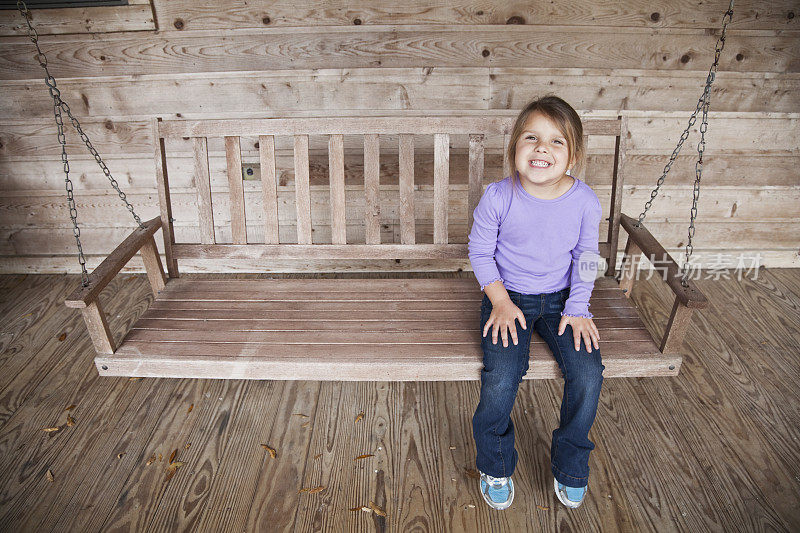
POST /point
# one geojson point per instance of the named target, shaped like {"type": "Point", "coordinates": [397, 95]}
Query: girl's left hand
{"type": "Point", "coordinates": [581, 328]}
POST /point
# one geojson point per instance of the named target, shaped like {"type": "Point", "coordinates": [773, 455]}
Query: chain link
{"type": "Point", "coordinates": [702, 103]}
{"type": "Point", "coordinates": [58, 106]}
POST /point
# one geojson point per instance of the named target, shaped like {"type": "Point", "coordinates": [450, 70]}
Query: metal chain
{"type": "Point", "coordinates": [58, 106]}
{"type": "Point", "coordinates": [703, 103]}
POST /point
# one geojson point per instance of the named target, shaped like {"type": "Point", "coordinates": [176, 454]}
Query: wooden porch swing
{"type": "Point", "coordinates": [348, 329]}
{"type": "Point", "coordinates": [353, 329]}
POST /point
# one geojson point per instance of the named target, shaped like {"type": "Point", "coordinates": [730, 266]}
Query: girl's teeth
{"type": "Point", "coordinates": [539, 164]}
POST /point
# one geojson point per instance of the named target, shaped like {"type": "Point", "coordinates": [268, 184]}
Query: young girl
{"type": "Point", "coordinates": [533, 247]}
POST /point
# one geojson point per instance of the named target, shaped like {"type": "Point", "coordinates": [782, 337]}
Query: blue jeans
{"type": "Point", "coordinates": [503, 369]}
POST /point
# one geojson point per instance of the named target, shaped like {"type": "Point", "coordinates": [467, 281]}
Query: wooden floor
{"type": "Point", "coordinates": [716, 448]}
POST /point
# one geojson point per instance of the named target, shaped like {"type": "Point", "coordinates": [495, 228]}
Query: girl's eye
{"type": "Point", "coordinates": [533, 137]}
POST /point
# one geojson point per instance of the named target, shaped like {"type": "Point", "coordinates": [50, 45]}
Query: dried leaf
{"type": "Point", "coordinates": [306, 424]}
{"type": "Point", "coordinates": [70, 408]}
{"type": "Point", "coordinates": [310, 490]}
{"type": "Point", "coordinates": [151, 460]}
{"type": "Point", "coordinates": [50, 476]}
{"type": "Point", "coordinates": [474, 474]}
{"type": "Point", "coordinates": [172, 468]}
{"type": "Point", "coordinates": [358, 508]}
{"type": "Point", "coordinates": [70, 421]}
{"type": "Point", "coordinates": [543, 508]}
{"type": "Point", "coordinates": [452, 447]}
{"type": "Point", "coordinates": [27, 314]}
{"type": "Point", "coordinates": [364, 456]}
{"type": "Point", "coordinates": [272, 452]}
{"type": "Point", "coordinates": [187, 445]}
{"type": "Point", "coordinates": [317, 456]}
{"type": "Point", "coordinates": [359, 417]}
{"type": "Point", "coordinates": [378, 510]}
{"type": "Point", "coordinates": [190, 409]}
{"type": "Point", "coordinates": [159, 457]}
{"type": "Point", "coordinates": [56, 428]}
{"type": "Point", "coordinates": [300, 414]}
{"type": "Point", "coordinates": [62, 337]}
{"type": "Point", "coordinates": [471, 506]}
{"type": "Point", "coordinates": [172, 455]}
{"type": "Point", "coordinates": [119, 455]}
{"type": "Point", "coordinates": [136, 378]}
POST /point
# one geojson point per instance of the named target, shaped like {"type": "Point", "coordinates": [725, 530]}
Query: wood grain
{"type": "Point", "coordinates": [390, 46]}
{"type": "Point", "coordinates": [203, 185]}
{"type": "Point", "coordinates": [236, 190]}
{"type": "Point", "coordinates": [302, 193]}
{"type": "Point", "coordinates": [336, 166]}
{"type": "Point", "coordinates": [672, 14]}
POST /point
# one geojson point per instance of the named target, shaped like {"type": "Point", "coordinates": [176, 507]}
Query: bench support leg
{"type": "Point", "coordinates": [630, 263]}
{"type": "Point", "coordinates": [98, 328]}
{"type": "Point", "coordinates": [153, 266]}
{"type": "Point", "coordinates": [676, 328]}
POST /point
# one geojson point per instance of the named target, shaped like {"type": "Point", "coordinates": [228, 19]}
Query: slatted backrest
{"type": "Point", "coordinates": [440, 128]}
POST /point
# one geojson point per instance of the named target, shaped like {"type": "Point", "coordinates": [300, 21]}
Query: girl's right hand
{"type": "Point", "coordinates": [502, 319]}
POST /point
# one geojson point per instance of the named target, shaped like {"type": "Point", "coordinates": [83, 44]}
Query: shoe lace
{"type": "Point", "coordinates": [496, 482]}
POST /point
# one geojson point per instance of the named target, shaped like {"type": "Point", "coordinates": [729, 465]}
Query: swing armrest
{"type": "Point", "coordinates": [644, 242]}
{"type": "Point", "coordinates": [687, 299]}
{"type": "Point", "coordinates": [100, 277]}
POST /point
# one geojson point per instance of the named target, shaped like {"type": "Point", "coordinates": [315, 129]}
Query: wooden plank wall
{"type": "Point", "coordinates": [284, 59]}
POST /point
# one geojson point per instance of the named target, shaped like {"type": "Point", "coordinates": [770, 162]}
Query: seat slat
{"type": "Point", "coordinates": [468, 336]}
{"type": "Point", "coordinates": [367, 306]}
{"type": "Point", "coordinates": [429, 362]}
{"type": "Point", "coordinates": [427, 322]}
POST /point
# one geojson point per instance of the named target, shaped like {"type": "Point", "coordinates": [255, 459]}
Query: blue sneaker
{"type": "Point", "coordinates": [497, 491]}
{"type": "Point", "coordinates": [572, 497]}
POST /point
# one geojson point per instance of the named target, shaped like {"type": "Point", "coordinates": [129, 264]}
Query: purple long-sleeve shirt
{"type": "Point", "coordinates": [537, 246]}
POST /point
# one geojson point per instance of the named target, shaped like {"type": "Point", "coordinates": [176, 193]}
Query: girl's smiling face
{"type": "Point", "coordinates": [542, 155]}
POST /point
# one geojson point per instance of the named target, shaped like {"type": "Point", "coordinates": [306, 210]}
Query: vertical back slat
{"type": "Point", "coordinates": [441, 186]}
{"type": "Point", "coordinates": [302, 191]}
{"type": "Point", "coordinates": [203, 183]}
{"type": "Point", "coordinates": [476, 168]}
{"type": "Point", "coordinates": [372, 211]}
{"type": "Point", "coordinates": [506, 166]}
{"type": "Point", "coordinates": [269, 187]}
{"type": "Point", "coordinates": [585, 168]}
{"type": "Point", "coordinates": [406, 189]}
{"type": "Point", "coordinates": [162, 182]}
{"type": "Point", "coordinates": [620, 151]}
{"type": "Point", "coordinates": [336, 175]}
{"type": "Point", "coordinates": [233, 155]}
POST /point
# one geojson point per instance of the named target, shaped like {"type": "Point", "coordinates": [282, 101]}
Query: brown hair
{"type": "Point", "coordinates": [563, 116]}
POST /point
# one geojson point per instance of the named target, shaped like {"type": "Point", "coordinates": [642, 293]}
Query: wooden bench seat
{"type": "Point", "coordinates": [350, 329]}
{"type": "Point", "coordinates": [345, 329]}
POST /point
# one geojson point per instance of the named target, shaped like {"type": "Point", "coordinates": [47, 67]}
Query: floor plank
{"type": "Point", "coordinates": [715, 448]}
